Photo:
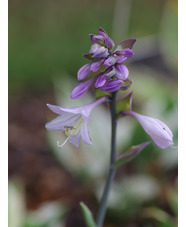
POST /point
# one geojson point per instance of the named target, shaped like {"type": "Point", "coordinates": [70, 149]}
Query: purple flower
{"type": "Point", "coordinates": [73, 121]}
{"type": "Point", "coordinates": [102, 39]}
{"type": "Point", "coordinates": [121, 72]}
{"type": "Point", "coordinates": [156, 129]}
{"type": "Point", "coordinates": [102, 79]}
{"type": "Point", "coordinates": [101, 53]}
{"type": "Point", "coordinates": [82, 88]}
{"type": "Point", "coordinates": [84, 71]}
{"type": "Point", "coordinates": [98, 51]}
{"type": "Point", "coordinates": [112, 85]}
{"type": "Point", "coordinates": [95, 66]}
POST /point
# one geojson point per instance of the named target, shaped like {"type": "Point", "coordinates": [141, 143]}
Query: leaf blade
{"type": "Point", "coordinates": [87, 215]}
{"type": "Point", "coordinates": [132, 153]}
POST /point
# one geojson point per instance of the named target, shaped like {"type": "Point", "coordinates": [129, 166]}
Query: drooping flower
{"type": "Point", "coordinates": [108, 64]}
{"type": "Point", "coordinates": [156, 129]}
{"type": "Point", "coordinates": [73, 121]}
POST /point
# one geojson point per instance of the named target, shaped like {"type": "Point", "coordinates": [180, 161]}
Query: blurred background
{"type": "Point", "coordinates": [46, 43]}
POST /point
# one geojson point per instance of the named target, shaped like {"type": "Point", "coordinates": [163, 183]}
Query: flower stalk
{"type": "Point", "coordinates": [112, 169]}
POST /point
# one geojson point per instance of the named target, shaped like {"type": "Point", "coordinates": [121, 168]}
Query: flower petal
{"type": "Point", "coordinates": [66, 119]}
{"type": "Point", "coordinates": [156, 129]}
{"type": "Point", "coordinates": [121, 72]}
{"type": "Point", "coordinates": [108, 41]}
{"type": "Point", "coordinates": [98, 51]}
{"type": "Point", "coordinates": [85, 134]}
{"type": "Point", "coordinates": [99, 39]}
{"type": "Point", "coordinates": [84, 71]}
{"type": "Point", "coordinates": [75, 139]}
{"type": "Point", "coordinates": [96, 65]}
{"type": "Point", "coordinates": [121, 59]}
{"type": "Point", "coordinates": [101, 80]}
{"type": "Point", "coordinates": [110, 61]}
{"type": "Point", "coordinates": [125, 52]}
{"type": "Point", "coordinates": [112, 85]}
{"type": "Point", "coordinates": [82, 88]}
{"type": "Point", "coordinates": [86, 110]}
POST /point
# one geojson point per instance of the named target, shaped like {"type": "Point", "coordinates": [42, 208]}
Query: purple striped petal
{"type": "Point", "coordinates": [97, 39]}
{"type": "Point", "coordinates": [108, 41]}
{"type": "Point", "coordinates": [101, 80]}
{"type": "Point", "coordinates": [121, 72]}
{"type": "Point", "coordinates": [98, 51]}
{"type": "Point", "coordinates": [82, 88]}
{"type": "Point", "coordinates": [96, 65]}
{"type": "Point", "coordinates": [84, 71]}
{"type": "Point", "coordinates": [112, 85]}
{"type": "Point", "coordinates": [121, 59]}
{"type": "Point", "coordinates": [110, 61]}
{"type": "Point", "coordinates": [102, 32]}
{"type": "Point", "coordinates": [127, 52]}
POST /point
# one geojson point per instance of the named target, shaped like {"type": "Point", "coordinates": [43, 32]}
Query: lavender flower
{"type": "Point", "coordinates": [156, 129]}
{"type": "Point", "coordinates": [73, 121]}
{"type": "Point", "coordinates": [106, 63]}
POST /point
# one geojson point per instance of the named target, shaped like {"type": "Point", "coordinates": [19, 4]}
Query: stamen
{"type": "Point", "coordinates": [62, 143]}
{"type": "Point", "coordinates": [73, 130]}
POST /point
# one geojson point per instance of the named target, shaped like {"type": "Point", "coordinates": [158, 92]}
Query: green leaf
{"type": "Point", "coordinates": [173, 201]}
{"type": "Point", "coordinates": [162, 217]}
{"type": "Point", "coordinates": [131, 153]}
{"type": "Point", "coordinates": [125, 103]}
{"type": "Point", "coordinates": [87, 215]}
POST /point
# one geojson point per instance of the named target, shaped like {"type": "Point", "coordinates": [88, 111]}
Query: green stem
{"type": "Point", "coordinates": [104, 199]}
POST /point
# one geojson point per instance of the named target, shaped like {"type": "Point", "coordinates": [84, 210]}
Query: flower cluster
{"type": "Point", "coordinates": [106, 65]}
{"type": "Point", "coordinates": [110, 75]}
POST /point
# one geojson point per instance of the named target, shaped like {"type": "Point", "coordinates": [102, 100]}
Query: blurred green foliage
{"type": "Point", "coordinates": [47, 38]}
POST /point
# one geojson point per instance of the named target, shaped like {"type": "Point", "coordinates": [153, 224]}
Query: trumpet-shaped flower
{"type": "Point", "coordinates": [156, 129]}
{"type": "Point", "coordinates": [73, 121]}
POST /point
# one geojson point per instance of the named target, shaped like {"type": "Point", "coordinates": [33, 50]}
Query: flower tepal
{"type": "Point", "coordinates": [105, 64]}
{"type": "Point", "coordinates": [156, 129]}
{"type": "Point", "coordinates": [73, 121]}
